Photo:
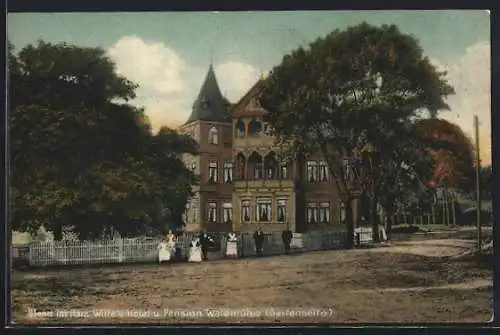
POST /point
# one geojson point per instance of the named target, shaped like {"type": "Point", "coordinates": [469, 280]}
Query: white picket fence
{"type": "Point", "coordinates": [145, 250]}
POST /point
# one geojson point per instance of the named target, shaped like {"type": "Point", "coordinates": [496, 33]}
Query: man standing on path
{"type": "Point", "coordinates": [258, 237]}
{"type": "Point", "coordinates": [204, 241]}
{"type": "Point", "coordinates": [286, 236]}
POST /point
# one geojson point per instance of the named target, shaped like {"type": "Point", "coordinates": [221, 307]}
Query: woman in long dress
{"type": "Point", "coordinates": [195, 251]}
{"type": "Point", "coordinates": [171, 242]}
{"type": "Point", "coordinates": [164, 253]}
{"type": "Point", "coordinates": [232, 246]}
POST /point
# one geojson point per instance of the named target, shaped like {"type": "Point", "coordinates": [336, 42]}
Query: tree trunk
{"type": "Point", "coordinates": [350, 224]}
{"type": "Point", "coordinates": [374, 220]}
{"type": "Point", "coordinates": [58, 232]}
{"type": "Point", "coordinates": [388, 229]}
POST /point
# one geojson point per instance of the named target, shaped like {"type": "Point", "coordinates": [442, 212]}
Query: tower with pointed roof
{"type": "Point", "coordinates": [211, 126]}
{"type": "Point", "coordinates": [210, 104]}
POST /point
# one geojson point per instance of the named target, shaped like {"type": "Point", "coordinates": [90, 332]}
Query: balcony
{"type": "Point", "coordinates": [273, 183]}
{"type": "Point", "coordinates": [253, 141]}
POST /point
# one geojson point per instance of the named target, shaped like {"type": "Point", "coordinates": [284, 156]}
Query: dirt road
{"type": "Point", "coordinates": [404, 282]}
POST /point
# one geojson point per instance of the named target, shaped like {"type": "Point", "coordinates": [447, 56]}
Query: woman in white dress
{"type": "Point", "coordinates": [195, 251]}
{"type": "Point", "coordinates": [232, 246]}
{"type": "Point", "coordinates": [164, 253]}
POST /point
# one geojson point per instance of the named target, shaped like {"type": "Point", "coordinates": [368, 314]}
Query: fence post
{"type": "Point", "coordinates": [30, 254]}
{"type": "Point", "coordinates": [120, 250]}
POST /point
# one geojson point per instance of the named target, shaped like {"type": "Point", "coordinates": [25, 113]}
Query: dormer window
{"type": "Point", "coordinates": [205, 104]}
{"type": "Point", "coordinates": [213, 136]}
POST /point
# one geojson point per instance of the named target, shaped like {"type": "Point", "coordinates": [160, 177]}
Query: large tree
{"type": "Point", "coordinates": [351, 94]}
{"type": "Point", "coordinates": [81, 156]}
{"type": "Point", "coordinates": [454, 158]}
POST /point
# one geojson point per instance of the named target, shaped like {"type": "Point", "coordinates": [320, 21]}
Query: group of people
{"type": "Point", "coordinates": [199, 246]}
{"type": "Point", "coordinates": [198, 250]}
{"type": "Point", "coordinates": [259, 238]}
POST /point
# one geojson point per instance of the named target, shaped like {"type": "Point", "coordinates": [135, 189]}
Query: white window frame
{"type": "Point", "coordinates": [264, 204]}
{"type": "Point", "coordinates": [212, 166]}
{"type": "Point", "coordinates": [283, 168]}
{"type": "Point", "coordinates": [213, 136]}
{"type": "Point", "coordinates": [312, 212]}
{"type": "Point", "coordinates": [324, 212]}
{"type": "Point", "coordinates": [342, 211]}
{"type": "Point", "coordinates": [312, 171]}
{"type": "Point", "coordinates": [281, 204]}
{"type": "Point", "coordinates": [324, 174]}
{"type": "Point", "coordinates": [246, 208]}
{"type": "Point", "coordinates": [212, 209]}
{"type": "Point", "coordinates": [228, 172]}
{"type": "Point", "coordinates": [227, 212]}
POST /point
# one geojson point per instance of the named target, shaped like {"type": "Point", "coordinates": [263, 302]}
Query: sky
{"type": "Point", "coordinates": [168, 53]}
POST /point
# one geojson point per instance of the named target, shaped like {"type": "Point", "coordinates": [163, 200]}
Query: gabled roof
{"type": "Point", "coordinates": [210, 105]}
{"type": "Point", "coordinates": [236, 109]}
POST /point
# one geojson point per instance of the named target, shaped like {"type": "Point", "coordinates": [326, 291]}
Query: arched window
{"type": "Point", "coordinates": [240, 128]}
{"type": "Point", "coordinates": [213, 136]}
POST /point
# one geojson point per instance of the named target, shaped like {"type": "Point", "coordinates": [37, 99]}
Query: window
{"type": "Point", "coordinates": [255, 127]}
{"type": "Point", "coordinates": [227, 212]}
{"type": "Point", "coordinates": [240, 128]}
{"type": "Point", "coordinates": [281, 209]}
{"type": "Point", "coordinates": [193, 167]}
{"type": "Point", "coordinates": [312, 171]}
{"type": "Point", "coordinates": [323, 171]}
{"type": "Point", "coordinates": [324, 212]}
{"type": "Point", "coordinates": [245, 210]}
{"type": "Point", "coordinates": [195, 210]}
{"type": "Point", "coordinates": [228, 172]}
{"type": "Point", "coordinates": [212, 172]}
{"type": "Point", "coordinates": [213, 136]}
{"type": "Point", "coordinates": [346, 168]}
{"type": "Point", "coordinates": [283, 171]}
{"type": "Point", "coordinates": [257, 170]}
{"type": "Point", "coordinates": [312, 212]}
{"type": "Point", "coordinates": [212, 212]}
{"type": "Point", "coordinates": [264, 210]}
{"type": "Point", "coordinates": [343, 212]}
{"type": "Point", "coordinates": [186, 214]}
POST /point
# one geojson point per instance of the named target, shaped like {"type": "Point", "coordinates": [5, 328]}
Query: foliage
{"type": "Point", "coordinates": [454, 158]}
{"type": "Point", "coordinates": [486, 182]}
{"type": "Point", "coordinates": [81, 156]}
{"type": "Point", "coordinates": [355, 93]}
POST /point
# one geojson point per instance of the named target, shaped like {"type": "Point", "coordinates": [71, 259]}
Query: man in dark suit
{"type": "Point", "coordinates": [205, 242]}
{"type": "Point", "coordinates": [258, 237]}
{"type": "Point", "coordinates": [286, 236]}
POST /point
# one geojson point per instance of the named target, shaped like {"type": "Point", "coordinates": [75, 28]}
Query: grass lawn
{"type": "Point", "coordinates": [403, 282]}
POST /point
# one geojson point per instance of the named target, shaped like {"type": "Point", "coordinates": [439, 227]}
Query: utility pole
{"type": "Point", "coordinates": [478, 188]}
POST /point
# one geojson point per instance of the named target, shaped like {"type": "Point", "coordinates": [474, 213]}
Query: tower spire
{"type": "Point", "coordinates": [211, 56]}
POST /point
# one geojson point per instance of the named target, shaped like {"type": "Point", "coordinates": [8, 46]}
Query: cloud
{"type": "Point", "coordinates": [235, 78]}
{"type": "Point", "coordinates": [168, 85]}
{"type": "Point", "coordinates": [470, 76]}
{"type": "Point", "coordinates": [154, 66]}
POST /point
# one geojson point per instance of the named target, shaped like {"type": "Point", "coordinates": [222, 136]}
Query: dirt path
{"type": "Point", "coordinates": [403, 282]}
